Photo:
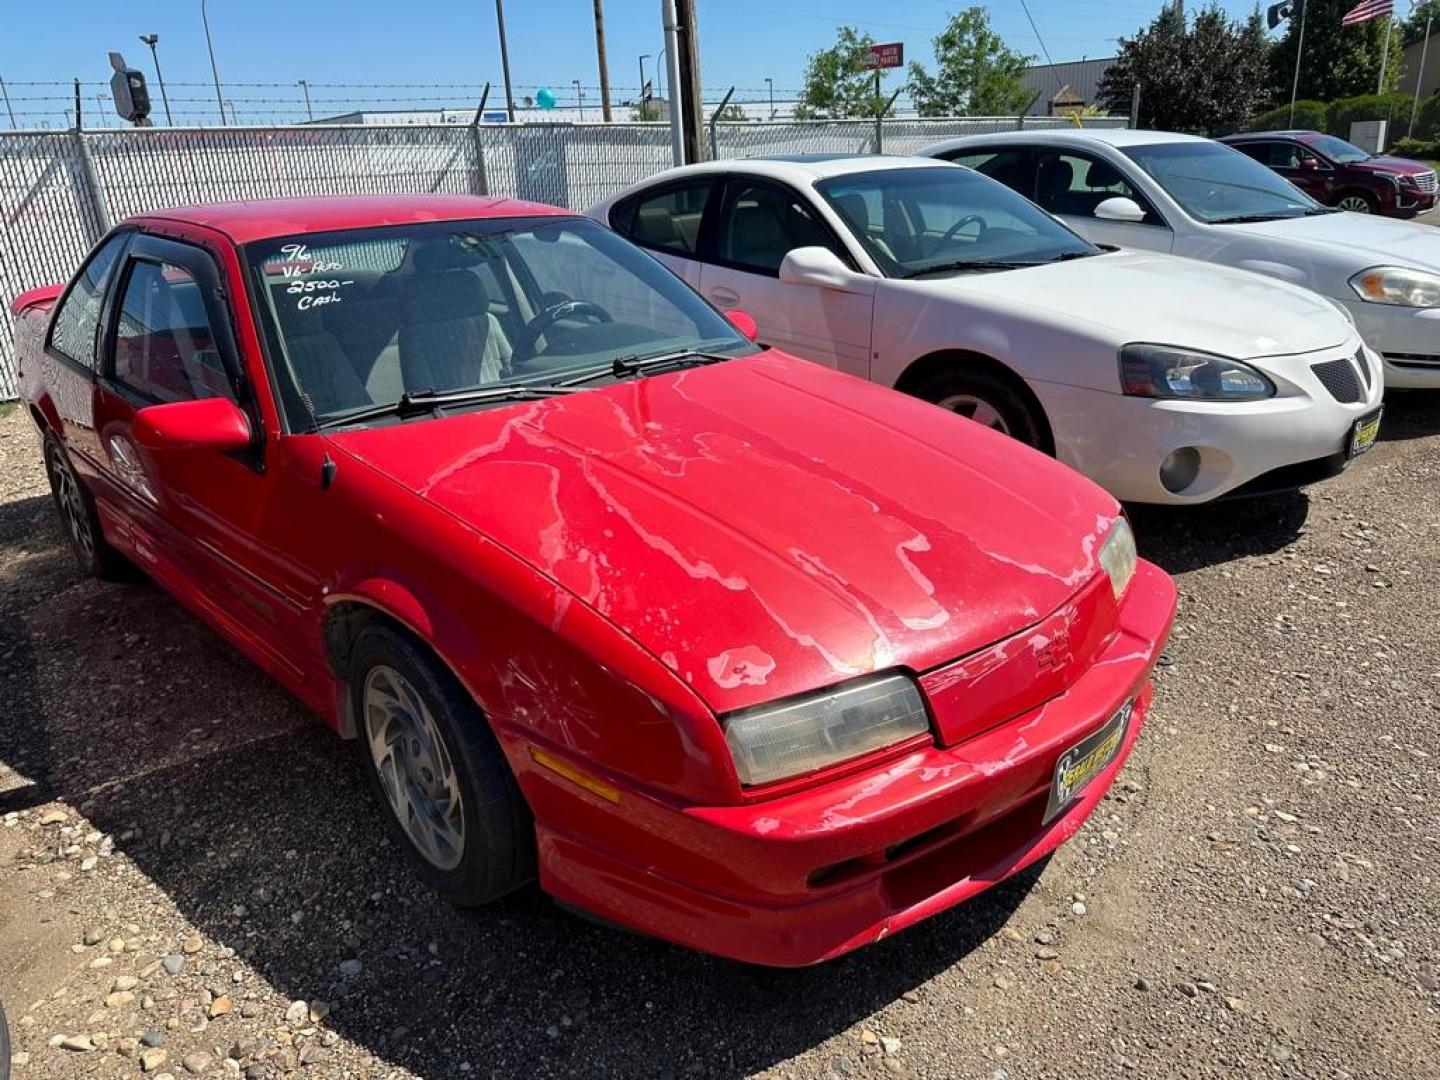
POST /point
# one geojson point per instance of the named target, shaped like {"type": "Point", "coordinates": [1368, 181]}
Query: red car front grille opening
{"type": "Point", "coordinates": [922, 865]}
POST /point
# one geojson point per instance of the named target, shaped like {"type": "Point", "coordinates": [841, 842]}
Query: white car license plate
{"type": "Point", "coordinates": [1086, 760]}
{"type": "Point", "coordinates": [1363, 434]}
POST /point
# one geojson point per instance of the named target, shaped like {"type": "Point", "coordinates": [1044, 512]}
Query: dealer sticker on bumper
{"type": "Point", "coordinates": [1086, 760]}
{"type": "Point", "coordinates": [1363, 434]}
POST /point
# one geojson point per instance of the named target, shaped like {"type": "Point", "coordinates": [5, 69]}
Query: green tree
{"type": "Point", "coordinates": [1207, 75]}
{"type": "Point", "coordinates": [644, 112]}
{"type": "Point", "coordinates": [836, 84]}
{"type": "Point", "coordinates": [732, 112]}
{"type": "Point", "coordinates": [1413, 28]}
{"type": "Point", "coordinates": [1339, 61]}
{"type": "Point", "coordinates": [976, 73]}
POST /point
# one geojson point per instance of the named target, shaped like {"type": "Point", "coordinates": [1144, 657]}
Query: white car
{"type": "Point", "coordinates": [1166, 380]}
{"type": "Point", "coordinates": [1157, 191]}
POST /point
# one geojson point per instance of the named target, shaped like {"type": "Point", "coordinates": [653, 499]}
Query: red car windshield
{"type": "Point", "coordinates": [359, 318]}
{"type": "Point", "coordinates": [1337, 150]}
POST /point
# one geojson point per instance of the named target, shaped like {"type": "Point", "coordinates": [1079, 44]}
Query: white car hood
{"type": "Point", "coordinates": [1366, 239]}
{"type": "Point", "coordinates": [1142, 296]}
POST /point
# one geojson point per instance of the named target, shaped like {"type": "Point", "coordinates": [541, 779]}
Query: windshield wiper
{"type": "Point", "coordinates": [967, 265]}
{"type": "Point", "coordinates": [419, 402]}
{"type": "Point", "coordinates": [1248, 219]}
{"type": "Point", "coordinates": [629, 365]}
{"type": "Point", "coordinates": [1066, 256]}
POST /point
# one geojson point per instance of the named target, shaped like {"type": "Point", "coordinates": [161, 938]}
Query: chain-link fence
{"type": "Point", "coordinates": [60, 191]}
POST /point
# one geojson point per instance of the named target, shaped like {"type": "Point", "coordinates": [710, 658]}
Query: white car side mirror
{"type": "Point", "coordinates": [816, 266]}
{"type": "Point", "coordinates": [1120, 208]}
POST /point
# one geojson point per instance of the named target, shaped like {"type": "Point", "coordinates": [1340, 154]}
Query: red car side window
{"type": "Point", "coordinates": [73, 332]}
{"type": "Point", "coordinates": [164, 346]}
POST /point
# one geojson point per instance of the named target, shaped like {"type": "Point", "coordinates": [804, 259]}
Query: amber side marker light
{"type": "Point", "coordinates": [563, 768]}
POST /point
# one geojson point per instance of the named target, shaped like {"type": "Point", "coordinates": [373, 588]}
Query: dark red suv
{"type": "Point", "coordinates": [1340, 174]}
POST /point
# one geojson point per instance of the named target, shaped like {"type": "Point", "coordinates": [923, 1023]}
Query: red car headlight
{"type": "Point", "coordinates": [1118, 556]}
{"type": "Point", "coordinates": [809, 732]}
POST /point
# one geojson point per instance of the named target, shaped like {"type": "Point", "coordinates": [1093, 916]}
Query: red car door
{"type": "Point", "coordinates": [196, 516]}
{"type": "Point", "coordinates": [71, 355]}
{"type": "Point", "coordinates": [1303, 169]}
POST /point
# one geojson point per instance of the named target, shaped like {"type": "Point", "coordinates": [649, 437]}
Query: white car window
{"type": "Point", "coordinates": [947, 220]}
{"type": "Point", "coordinates": [1219, 185]}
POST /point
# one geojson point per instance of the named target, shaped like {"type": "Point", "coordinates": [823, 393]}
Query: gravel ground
{"type": "Point", "coordinates": [193, 880]}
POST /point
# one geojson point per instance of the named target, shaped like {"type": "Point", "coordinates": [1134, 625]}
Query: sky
{"type": "Point", "coordinates": [445, 49]}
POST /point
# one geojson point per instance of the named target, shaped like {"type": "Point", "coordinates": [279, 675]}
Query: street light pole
{"type": "Point", "coordinates": [580, 95]}
{"type": "Point", "coordinates": [309, 112]}
{"type": "Point", "coordinates": [505, 59]}
{"type": "Point", "coordinates": [770, 84]}
{"type": "Point", "coordinates": [644, 108]}
{"type": "Point", "coordinates": [214, 71]}
{"type": "Point", "coordinates": [152, 40]}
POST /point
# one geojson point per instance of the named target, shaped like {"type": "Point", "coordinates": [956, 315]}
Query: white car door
{"type": "Point", "coordinates": [1071, 183]}
{"type": "Point", "coordinates": [666, 222]}
{"type": "Point", "coordinates": [759, 222]}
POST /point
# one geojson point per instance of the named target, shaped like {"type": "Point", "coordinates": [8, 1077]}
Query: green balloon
{"type": "Point", "coordinates": [545, 98]}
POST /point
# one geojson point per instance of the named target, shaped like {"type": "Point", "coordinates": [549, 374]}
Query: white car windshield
{"type": "Point", "coordinates": [378, 322]}
{"type": "Point", "coordinates": [1219, 185]}
{"type": "Point", "coordinates": [947, 220]}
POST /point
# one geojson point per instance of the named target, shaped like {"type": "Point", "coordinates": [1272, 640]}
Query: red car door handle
{"type": "Point", "coordinates": [724, 297]}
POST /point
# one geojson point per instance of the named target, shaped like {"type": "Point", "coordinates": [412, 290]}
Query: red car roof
{"type": "Point", "coordinates": [263, 218]}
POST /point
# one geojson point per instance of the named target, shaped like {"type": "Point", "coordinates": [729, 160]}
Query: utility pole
{"type": "Point", "coordinates": [214, 71]}
{"type": "Point", "coordinates": [505, 59]}
{"type": "Point", "coordinates": [580, 97]}
{"type": "Point", "coordinates": [309, 112]}
{"type": "Point", "coordinates": [8, 107]}
{"type": "Point", "coordinates": [644, 106]}
{"type": "Point", "coordinates": [1420, 75]}
{"type": "Point", "coordinates": [685, 79]}
{"type": "Point", "coordinates": [152, 40]}
{"type": "Point", "coordinates": [770, 85]}
{"type": "Point", "coordinates": [604, 65]}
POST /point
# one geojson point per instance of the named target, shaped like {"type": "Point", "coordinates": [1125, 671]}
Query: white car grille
{"type": "Point", "coordinates": [1426, 182]}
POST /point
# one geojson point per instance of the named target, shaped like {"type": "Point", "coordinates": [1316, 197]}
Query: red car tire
{"type": "Point", "coordinates": [76, 507]}
{"type": "Point", "coordinates": [451, 801]}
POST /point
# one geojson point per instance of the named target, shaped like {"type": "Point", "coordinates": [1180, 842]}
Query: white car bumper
{"type": "Point", "coordinates": [1120, 442]}
{"type": "Point", "coordinates": [1409, 338]}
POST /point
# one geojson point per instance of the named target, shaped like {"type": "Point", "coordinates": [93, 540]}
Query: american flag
{"type": "Point", "coordinates": [1367, 10]}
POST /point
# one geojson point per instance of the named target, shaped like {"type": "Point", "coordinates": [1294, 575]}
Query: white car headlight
{"type": "Point", "coordinates": [809, 732]}
{"type": "Point", "coordinates": [1164, 371]}
{"type": "Point", "coordinates": [1398, 285]}
{"type": "Point", "coordinates": [1117, 556]}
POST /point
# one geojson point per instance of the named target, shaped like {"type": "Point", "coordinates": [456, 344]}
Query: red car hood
{"type": "Point", "coordinates": [1402, 166]}
{"type": "Point", "coordinates": [765, 526]}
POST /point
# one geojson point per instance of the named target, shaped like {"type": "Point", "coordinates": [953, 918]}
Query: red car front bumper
{"type": "Point", "coordinates": [808, 876]}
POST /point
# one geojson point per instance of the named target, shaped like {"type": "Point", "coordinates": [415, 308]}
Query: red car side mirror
{"type": "Point", "coordinates": [744, 322]}
{"type": "Point", "coordinates": [204, 424]}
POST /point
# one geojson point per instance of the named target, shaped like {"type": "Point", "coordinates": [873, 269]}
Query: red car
{"type": "Point", "coordinates": [1340, 174]}
{"type": "Point", "coordinates": [724, 646]}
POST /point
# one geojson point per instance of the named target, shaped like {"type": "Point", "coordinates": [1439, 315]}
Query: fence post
{"type": "Point", "coordinates": [1020, 122]}
{"type": "Point", "coordinates": [92, 184]}
{"type": "Point", "coordinates": [482, 182]}
{"type": "Point", "coordinates": [714, 117]}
